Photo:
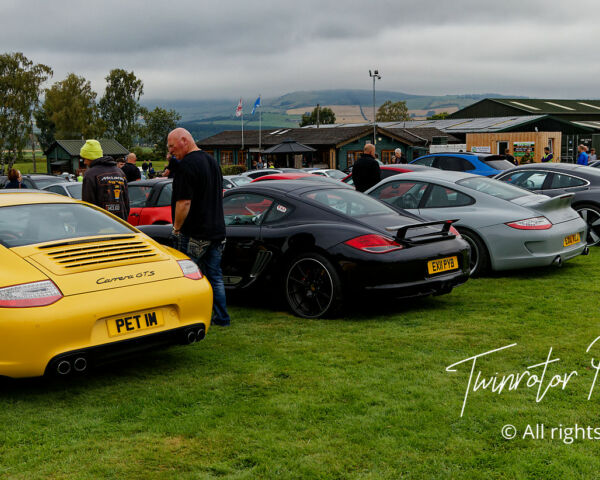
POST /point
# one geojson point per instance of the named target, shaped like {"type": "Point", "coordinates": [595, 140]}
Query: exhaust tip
{"type": "Point", "coordinates": [586, 250]}
{"type": "Point", "coordinates": [63, 367]}
{"type": "Point", "coordinates": [80, 364]}
{"type": "Point", "coordinates": [557, 261]}
{"type": "Point", "coordinates": [191, 336]}
{"type": "Point", "coordinates": [200, 334]}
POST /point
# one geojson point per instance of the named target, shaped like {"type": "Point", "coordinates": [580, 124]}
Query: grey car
{"type": "Point", "coordinates": [507, 227]}
{"type": "Point", "coordinates": [68, 189]}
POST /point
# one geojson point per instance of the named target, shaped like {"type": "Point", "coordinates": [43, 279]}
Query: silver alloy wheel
{"type": "Point", "coordinates": [592, 217]}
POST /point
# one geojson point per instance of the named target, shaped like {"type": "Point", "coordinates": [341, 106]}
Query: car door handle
{"type": "Point", "coordinates": [134, 214]}
{"type": "Point", "coordinates": [246, 244]}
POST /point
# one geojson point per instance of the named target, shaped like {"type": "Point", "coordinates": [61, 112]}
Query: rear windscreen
{"type": "Point", "coordinates": [496, 161]}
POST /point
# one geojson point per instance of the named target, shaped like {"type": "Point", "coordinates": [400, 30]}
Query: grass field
{"type": "Point", "coordinates": [362, 397]}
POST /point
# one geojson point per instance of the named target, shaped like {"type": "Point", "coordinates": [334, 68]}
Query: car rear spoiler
{"type": "Point", "coordinates": [555, 203]}
{"type": "Point", "coordinates": [443, 234]}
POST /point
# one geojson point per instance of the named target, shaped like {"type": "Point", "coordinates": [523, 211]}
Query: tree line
{"type": "Point", "coordinates": [69, 110]}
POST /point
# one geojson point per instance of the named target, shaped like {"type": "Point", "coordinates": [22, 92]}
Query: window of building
{"type": "Point", "coordinates": [226, 157]}
{"type": "Point", "coordinates": [386, 156]}
{"type": "Point", "coordinates": [352, 157]}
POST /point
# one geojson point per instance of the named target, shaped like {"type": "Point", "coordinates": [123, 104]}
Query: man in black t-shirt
{"type": "Point", "coordinates": [131, 171]}
{"type": "Point", "coordinates": [365, 171]}
{"type": "Point", "coordinates": [197, 208]}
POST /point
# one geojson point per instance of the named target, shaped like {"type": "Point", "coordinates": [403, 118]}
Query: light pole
{"type": "Point", "coordinates": [375, 75]}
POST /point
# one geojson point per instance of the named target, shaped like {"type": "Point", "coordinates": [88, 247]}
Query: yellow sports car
{"type": "Point", "coordinates": [80, 286]}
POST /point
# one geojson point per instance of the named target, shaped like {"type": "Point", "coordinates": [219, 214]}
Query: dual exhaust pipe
{"type": "Point", "coordinates": [194, 335]}
{"type": "Point", "coordinates": [68, 365]}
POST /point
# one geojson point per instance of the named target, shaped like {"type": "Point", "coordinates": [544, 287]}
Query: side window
{"type": "Point", "coordinates": [138, 195]}
{"type": "Point", "coordinates": [425, 161]}
{"type": "Point", "coordinates": [560, 180]}
{"type": "Point", "coordinates": [56, 189]}
{"type": "Point", "coordinates": [454, 164]}
{"type": "Point", "coordinates": [28, 183]}
{"type": "Point", "coordinates": [245, 209]}
{"type": "Point", "coordinates": [278, 212]}
{"type": "Point", "coordinates": [441, 197]}
{"type": "Point", "coordinates": [529, 179]}
{"type": "Point", "coordinates": [401, 194]}
{"type": "Point", "coordinates": [164, 199]}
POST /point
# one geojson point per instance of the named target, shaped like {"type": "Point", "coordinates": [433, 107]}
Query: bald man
{"type": "Point", "coordinates": [366, 172]}
{"type": "Point", "coordinates": [131, 171]}
{"type": "Point", "coordinates": [197, 208]}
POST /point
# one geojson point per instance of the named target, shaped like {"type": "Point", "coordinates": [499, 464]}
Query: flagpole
{"type": "Point", "coordinates": [242, 129]}
{"type": "Point", "coordinates": [259, 130]}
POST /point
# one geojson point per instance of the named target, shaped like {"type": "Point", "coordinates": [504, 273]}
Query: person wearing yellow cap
{"type": "Point", "coordinates": [104, 184]}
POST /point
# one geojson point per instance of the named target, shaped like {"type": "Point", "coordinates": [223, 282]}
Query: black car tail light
{"type": "Point", "coordinates": [373, 244]}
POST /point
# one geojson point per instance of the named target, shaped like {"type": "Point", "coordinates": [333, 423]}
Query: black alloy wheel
{"type": "Point", "coordinates": [313, 288]}
{"type": "Point", "coordinates": [591, 215]}
{"type": "Point", "coordinates": [479, 259]}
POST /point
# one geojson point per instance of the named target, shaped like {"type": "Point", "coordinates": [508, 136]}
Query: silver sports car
{"type": "Point", "coordinates": [507, 227]}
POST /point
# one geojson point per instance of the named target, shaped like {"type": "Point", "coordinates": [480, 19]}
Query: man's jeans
{"type": "Point", "coordinates": [207, 255]}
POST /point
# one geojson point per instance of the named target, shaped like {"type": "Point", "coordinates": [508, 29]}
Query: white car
{"type": "Point", "coordinates": [330, 172]}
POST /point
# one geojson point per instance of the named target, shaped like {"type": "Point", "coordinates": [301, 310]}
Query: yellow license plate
{"type": "Point", "coordinates": [134, 322]}
{"type": "Point", "coordinates": [442, 265]}
{"type": "Point", "coordinates": [571, 239]}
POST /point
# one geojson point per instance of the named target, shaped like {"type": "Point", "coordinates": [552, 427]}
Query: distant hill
{"type": "Point", "coordinates": [206, 117]}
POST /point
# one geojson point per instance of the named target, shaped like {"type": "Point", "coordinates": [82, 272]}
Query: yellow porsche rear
{"type": "Point", "coordinates": [77, 299]}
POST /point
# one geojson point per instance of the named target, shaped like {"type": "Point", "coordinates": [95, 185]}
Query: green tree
{"type": "Point", "coordinates": [157, 125]}
{"type": "Point", "coordinates": [119, 107]}
{"type": "Point", "coordinates": [47, 129]}
{"type": "Point", "coordinates": [326, 117]}
{"type": "Point", "coordinates": [438, 116]}
{"type": "Point", "coordinates": [70, 110]}
{"type": "Point", "coordinates": [392, 112]}
{"type": "Point", "coordinates": [20, 87]}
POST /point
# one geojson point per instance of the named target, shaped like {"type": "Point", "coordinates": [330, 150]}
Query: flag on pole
{"type": "Point", "coordinates": [256, 105]}
{"type": "Point", "coordinates": [238, 110]}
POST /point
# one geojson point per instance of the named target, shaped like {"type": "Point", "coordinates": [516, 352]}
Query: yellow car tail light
{"type": "Point", "coordinates": [190, 269]}
{"type": "Point", "coordinates": [35, 294]}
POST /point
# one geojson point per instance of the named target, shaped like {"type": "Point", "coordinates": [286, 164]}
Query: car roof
{"type": "Point", "coordinates": [150, 181]}
{"type": "Point", "coordinates": [284, 176]}
{"type": "Point", "coordinates": [284, 186]}
{"type": "Point", "coordinates": [10, 197]}
{"type": "Point", "coordinates": [433, 175]}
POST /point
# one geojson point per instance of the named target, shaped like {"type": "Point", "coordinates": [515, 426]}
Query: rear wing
{"type": "Point", "coordinates": [442, 234]}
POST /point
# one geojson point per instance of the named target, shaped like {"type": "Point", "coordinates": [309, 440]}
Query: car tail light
{"type": "Point", "coordinates": [535, 223]}
{"type": "Point", "coordinates": [455, 232]}
{"type": "Point", "coordinates": [190, 269]}
{"type": "Point", "coordinates": [35, 294]}
{"type": "Point", "coordinates": [373, 244]}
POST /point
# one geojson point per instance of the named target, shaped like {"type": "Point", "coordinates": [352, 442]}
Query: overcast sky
{"type": "Point", "coordinates": [200, 50]}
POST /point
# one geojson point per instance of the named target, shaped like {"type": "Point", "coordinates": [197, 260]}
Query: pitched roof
{"type": "Point", "coordinates": [331, 136]}
{"type": "Point", "coordinates": [110, 147]}
{"type": "Point", "coordinates": [540, 106]}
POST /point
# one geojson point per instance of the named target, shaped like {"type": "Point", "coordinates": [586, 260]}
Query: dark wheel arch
{"type": "Point", "coordinates": [479, 262]}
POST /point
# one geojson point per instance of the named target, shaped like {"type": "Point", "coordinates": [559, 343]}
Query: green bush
{"type": "Point", "coordinates": [233, 169]}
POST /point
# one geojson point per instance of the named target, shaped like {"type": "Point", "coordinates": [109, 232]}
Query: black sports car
{"type": "Point", "coordinates": [324, 243]}
{"type": "Point", "coordinates": [554, 179]}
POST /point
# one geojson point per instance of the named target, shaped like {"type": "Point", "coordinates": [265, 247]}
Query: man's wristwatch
{"type": "Point", "coordinates": [175, 231]}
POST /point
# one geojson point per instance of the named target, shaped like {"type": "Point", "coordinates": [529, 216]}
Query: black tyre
{"type": "Point", "coordinates": [591, 215]}
{"type": "Point", "coordinates": [480, 259]}
{"type": "Point", "coordinates": [313, 288]}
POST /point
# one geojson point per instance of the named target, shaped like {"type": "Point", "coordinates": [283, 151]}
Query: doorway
{"type": "Point", "coordinates": [502, 147]}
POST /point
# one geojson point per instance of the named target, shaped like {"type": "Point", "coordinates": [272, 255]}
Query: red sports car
{"type": "Point", "coordinates": [150, 201]}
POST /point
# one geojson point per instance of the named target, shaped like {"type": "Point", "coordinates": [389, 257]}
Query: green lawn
{"type": "Point", "coordinates": [363, 397]}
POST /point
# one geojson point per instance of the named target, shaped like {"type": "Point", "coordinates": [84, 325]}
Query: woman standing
{"type": "Point", "coordinates": [15, 180]}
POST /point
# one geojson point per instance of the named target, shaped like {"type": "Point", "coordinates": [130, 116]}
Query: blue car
{"type": "Point", "coordinates": [477, 163]}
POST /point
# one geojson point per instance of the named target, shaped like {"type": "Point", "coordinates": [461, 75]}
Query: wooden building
{"type": "Point", "coordinates": [336, 146]}
{"type": "Point", "coordinates": [63, 155]}
{"type": "Point", "coordinates": [515, 142]}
